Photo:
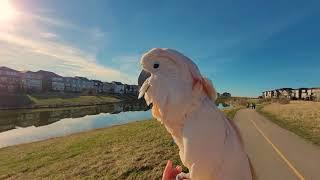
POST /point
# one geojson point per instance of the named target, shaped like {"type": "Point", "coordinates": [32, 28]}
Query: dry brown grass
{"type": "Point", "coordinates": [301, 117]}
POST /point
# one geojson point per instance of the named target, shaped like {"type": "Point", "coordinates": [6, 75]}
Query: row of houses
{"type": "Point", "coordinates": [13, 81]}
{"type": "Point", "coordinates": [290, 93]}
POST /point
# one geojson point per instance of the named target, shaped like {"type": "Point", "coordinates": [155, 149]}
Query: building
{"type": "Point", "coordinates": [295, 94]}
{"type": "Point", "coordinates": [285, 92]}
{"type": "Point", "coordinates": [49, 80]}
{"type": "Point", "coordinates": [108, 87]}
{"type": "Point", "coordinates": [135, 89]}
{"type": "Point", "coordinates": [316, 94]}
{"type": "Point", "coordinates": [57, 83]}
{"type": "Point", "coordinates": [303, 93]}
{"type": "Point", "coordinates": [118, 87]}
{"type": "Point", "coordinates": [10, 81]}
{"type": "Point", "coordinates": [71, 84]}
{"type": "Point", "coordinates": [85, 84]}
{"type": "Point", "coordinates": [97, 86]}
{"type": "Point", "coordinates": [267, 94]}
{"type": "Point", "coordinates": [31, 81]}
{"type": "Point", "coordinates": [131, 89]}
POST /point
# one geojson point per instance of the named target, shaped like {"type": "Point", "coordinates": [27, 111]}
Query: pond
{"type": "Point", "coordinates": [223, 105]}
{"type": "Point", "coordinates": [24, 126]}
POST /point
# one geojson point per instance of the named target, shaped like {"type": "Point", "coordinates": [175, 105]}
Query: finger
{"type": "Point", "coordinates": [167, 171]}
{"type": "Point", "coordinates": [179, 169]}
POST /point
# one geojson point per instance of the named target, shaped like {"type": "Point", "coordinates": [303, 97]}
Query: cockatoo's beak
{"type": "Point", "coordinates": [144, 75]}
{"type": "Point", "coordinates": [144, 84]}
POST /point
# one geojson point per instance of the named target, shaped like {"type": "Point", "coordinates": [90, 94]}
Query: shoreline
{"type": "Point", "coordinates": [36, 102]}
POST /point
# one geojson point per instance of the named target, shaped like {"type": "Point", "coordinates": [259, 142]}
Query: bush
{"type": "Point", "coordinates": [317, 96]}
{"type": "Point", "coordinates": [264, 101]}
{"type": "Point", "coordinates": [283, 100]}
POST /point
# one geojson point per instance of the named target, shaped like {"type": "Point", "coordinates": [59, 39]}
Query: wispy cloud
{"type": "Point", "coordinates": [35, 47]}
{"type": "Point", "coordinates": [48, 35]}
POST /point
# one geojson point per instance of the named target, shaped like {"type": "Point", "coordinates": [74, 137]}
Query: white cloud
{"type": "Point", "coordinates": [48, 35]}
{"type": "Point", "coordinates": [32, 46]}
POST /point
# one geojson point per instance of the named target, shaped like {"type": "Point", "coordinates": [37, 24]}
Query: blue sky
{"type": "Point", "coordinates": [244, 47]}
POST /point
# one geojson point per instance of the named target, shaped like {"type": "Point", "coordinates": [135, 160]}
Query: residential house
{"type": "Point", "coordinates": [295, 94]}
{"type": "Point", "coordinates": [131, 89]}
{"type": "Point", "coordinates": [316, 94]}
{"type": "Point", "coordinates": [9, 80]}
{"type": "Point", "coordinates": [31, 81]}
{"type": "Point", "coordinates": [71, 84]}
{"type": "Point", "coordinates": [57, 83]}
{"type": "Point", "coordinates": [303, 93]}
{"type": "Point", "coordinates": [118, 87]}
{"type": "Point", "coordinates": [285, 92]}
{"type": "Point", "coordinates": [98, 86]}
{"type": "Point", "coordinates": [135, 89]}
{"type": "Point", "coordinates": [50, 79]}
{"type": "Point", "coordinates": [85, 84]}
{"type": "Point", "coordinates": [267, 94]}
{"type": "Point", "coordinates": [108, 87]}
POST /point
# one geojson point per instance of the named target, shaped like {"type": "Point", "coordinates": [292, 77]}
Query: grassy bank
{"type": "Point", "coordinates": [133, 151]}
{"type": "Point", "coordinates": [136, 150]}
{"type": "Point", "coordinates": [300, 117]}
{"type": "Point", "coordinates": [71, 101]}
{"type": "Point", "coordinates": [231, 112]}
{"type": "Point", "coordinates": [58, 100]}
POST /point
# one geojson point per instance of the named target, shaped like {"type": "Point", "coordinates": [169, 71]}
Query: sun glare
{"type": "Point", "coordinates": [7, 12]}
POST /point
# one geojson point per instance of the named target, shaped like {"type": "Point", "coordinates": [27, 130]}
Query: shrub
{"type": "Point", "coordinates": [264, 101]}
{"type": "Point", "coordinates": [317, 96]}
{"type": "Point", "coordinates": [283, 100]}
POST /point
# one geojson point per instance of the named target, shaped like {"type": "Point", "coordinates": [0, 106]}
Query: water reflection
{"type": "Point", "coordinates": [26, 118]}
{"type": "Point", "coordinates": [223, 105]}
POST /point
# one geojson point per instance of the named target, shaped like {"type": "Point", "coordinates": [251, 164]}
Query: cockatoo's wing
{"type": "Point", "coordinates": [212, 149]}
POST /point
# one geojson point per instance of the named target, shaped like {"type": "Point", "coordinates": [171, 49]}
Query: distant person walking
{"type": "Point", "coordinates": [253, 106]}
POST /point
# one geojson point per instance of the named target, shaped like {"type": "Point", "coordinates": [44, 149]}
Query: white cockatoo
{"type": "Point", "coordinates": [210, 145]}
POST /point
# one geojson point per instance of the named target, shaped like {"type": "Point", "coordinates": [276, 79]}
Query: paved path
{"type": "Point", "coordinates": [277, 154]}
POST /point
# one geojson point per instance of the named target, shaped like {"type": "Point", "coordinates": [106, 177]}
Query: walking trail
{"type": "Point", "coordinates": [276, 153]}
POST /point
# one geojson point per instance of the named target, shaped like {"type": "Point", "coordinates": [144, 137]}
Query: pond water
{"type": "Point", "coordinates": [223, 105]}
{"type": "Point", "coordinates": [17, 127]}
{"type": "Point", "coordinates": [24, 126]}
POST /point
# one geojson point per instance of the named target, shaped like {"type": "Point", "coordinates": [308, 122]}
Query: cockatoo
{"type": "Point", "coordinates": [209, 144]}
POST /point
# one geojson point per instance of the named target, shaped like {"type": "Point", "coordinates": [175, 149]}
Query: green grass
{"type": "Point", "coordinates": [73, 101]}
{"type": "Point", "coordinates": [231, 112]}
{"type": "Point", "coordinates": [136, 150]}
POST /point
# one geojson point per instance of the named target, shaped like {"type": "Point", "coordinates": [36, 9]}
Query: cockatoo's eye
{"type": "Point", "coordinates": [156, 65]}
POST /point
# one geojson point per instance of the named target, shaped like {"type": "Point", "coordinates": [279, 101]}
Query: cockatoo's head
{"type": "Point", "coordinates": [170, 80]}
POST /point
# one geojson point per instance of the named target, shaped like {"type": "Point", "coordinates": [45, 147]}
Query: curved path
{"type": "Point", "coordinates": [276, 153]}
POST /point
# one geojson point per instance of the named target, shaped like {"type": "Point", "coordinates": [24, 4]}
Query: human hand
{"type": "Point", "coordinates": [170, 173]}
